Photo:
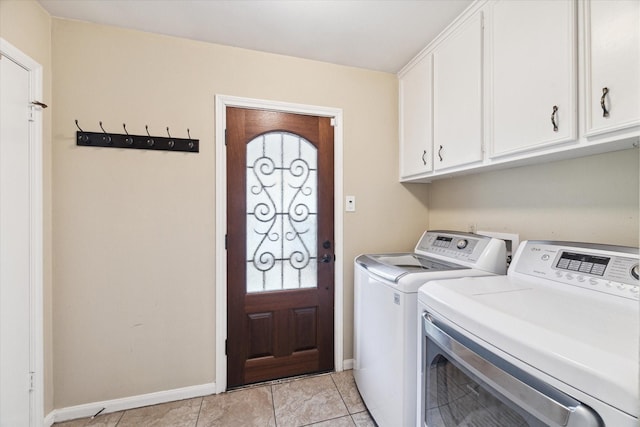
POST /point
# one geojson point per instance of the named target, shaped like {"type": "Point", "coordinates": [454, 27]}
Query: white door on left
{"type": "Point", "coordinates": [15, 214]}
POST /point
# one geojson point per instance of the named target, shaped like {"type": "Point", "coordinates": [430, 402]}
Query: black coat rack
{"type": "Point", "coordinates": [141, 142]}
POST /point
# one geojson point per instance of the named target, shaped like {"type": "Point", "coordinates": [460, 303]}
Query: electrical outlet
{"type": "Point", "coordinates": [350, 203]}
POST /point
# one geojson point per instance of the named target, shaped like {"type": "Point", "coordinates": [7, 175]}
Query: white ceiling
{"type": "Point", "coordinates": [374, 34]}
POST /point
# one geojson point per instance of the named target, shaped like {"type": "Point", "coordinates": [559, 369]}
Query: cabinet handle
{"type": "Point", "coordinates": [605, 112]}
{"type": "Point", "coordinates": [423, 159]}
{"type": "Point", "coordinates": [553, 118]}
{"type": "Point", "coordinates": [440, 153]}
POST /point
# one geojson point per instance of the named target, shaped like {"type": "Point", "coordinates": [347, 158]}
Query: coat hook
{"type": "Point", "coordinates": [150, 141]}
{"type": "Point", "coordinates": [106, 138]}
{"type": "Point", "coordinates": [190, 142]}
{"type": "Point", "coordinates": [171, 142]}
{"type": "Point", "coordinates": [83, 137]}
{"type": "Point", "coordinates": [128, 139]}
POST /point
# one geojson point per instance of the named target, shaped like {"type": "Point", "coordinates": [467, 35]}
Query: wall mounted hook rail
{"type": "Point", "coordinates": [143, 142]}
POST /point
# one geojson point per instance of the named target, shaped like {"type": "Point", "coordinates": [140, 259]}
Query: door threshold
{"type": "Point", "coordinates": [280, 380]}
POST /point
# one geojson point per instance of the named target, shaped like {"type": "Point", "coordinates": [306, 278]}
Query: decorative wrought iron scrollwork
{"type": "Point", "coordinates": [281, 212]}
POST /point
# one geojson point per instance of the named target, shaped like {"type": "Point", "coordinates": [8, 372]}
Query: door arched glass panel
{"type": "Point", "coordinates": [282, 209]}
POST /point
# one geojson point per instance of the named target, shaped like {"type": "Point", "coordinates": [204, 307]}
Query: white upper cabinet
{"type": "Point", "coordinates": [612, 65]}
{"type": "Point", "coordinates": [501, 85]}
{"type": "Point", "coordinates": [457, 95]}
{"type": "Point", "coordinates": [532, 74]}
{"type": "Point", "coordinates": [416, 148]}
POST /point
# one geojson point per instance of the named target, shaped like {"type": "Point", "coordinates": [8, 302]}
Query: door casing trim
{"type": "Point", "coordinates": [36, 309]}
{"type": "Point", "coordinates": [222, 102]}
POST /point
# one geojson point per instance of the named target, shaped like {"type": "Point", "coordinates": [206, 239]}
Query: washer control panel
{"type": "Point", "coordinates": [455, 245]}
{"type": "Point", "coordinates": [610, 269]}
{"type": "Point", "coordinates": [450, 245]}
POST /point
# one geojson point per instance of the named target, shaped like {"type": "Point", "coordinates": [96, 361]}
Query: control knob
{"type": "Point", "coordinates": [635, 272]}
{"type": "Point", "coordinates": [462, 243]}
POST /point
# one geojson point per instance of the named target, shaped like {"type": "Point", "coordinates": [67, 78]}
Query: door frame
{"type": "Point", "coordinates": [222, 102]}
{"type": "Point", "coordinates": [36, 309]}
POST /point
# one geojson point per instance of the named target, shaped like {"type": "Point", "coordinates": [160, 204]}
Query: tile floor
{"type": "Point", "coordinates": [327, 400]}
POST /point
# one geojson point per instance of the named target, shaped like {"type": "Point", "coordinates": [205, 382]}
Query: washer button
{"type": "Point", "coordinates": [545, 257]}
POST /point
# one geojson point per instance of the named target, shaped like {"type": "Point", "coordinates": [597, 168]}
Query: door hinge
{"type": "Point", "coordinates": [32, 381]}
{"type": "Point", "coordinates": [31, 109]}
{"type": "Point", "coordinates": [225, 137]}
{"type": "Point", "coordinates": [226, 240]}
{"type": "Point", "coordinates": [226, 347]}
{"type": "Point", "coordinates": [333, 121]}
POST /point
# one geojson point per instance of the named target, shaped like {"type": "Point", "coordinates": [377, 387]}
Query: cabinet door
{"type": "Point", "coordinates": [532, 72]}
{"type": "Point", "coordinates": [415, 119]}
{"type": "Point", "coordinates": [457, 92]}
{"type": "Point", "coordinates": [612, 56]}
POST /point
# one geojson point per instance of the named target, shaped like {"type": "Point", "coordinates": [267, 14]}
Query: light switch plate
{"type": "Point", "coordinates": [350, 203]}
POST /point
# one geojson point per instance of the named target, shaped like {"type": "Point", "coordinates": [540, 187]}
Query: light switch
{"type": "Point", "coordinates": [350, 202]}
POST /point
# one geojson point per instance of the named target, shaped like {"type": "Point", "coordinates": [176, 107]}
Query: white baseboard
{"type": "Point", "coordinates": [49, 419]}
{"type": "Point", "coordinates": [90, 409]}
{"type": "Point", "coordinates": [347, 364]}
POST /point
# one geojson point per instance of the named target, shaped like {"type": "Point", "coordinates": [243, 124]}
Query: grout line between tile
{"type": "Point", "coordinates": [328, 419]}
{"type": "Point", "coordinates": [199, 411]}
{"type": "Point", "coordinates": [341, 397]}
{"type": "Point", "coordinates": [119, 419]}
{"type": "Point", "coordinates": [273, 405]}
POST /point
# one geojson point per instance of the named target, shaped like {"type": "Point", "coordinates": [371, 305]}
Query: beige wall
{"type": "Point", "coordinates": [27, 26]}
{"type": "Point", "coordinates": [591, 199]}
{"type": "Point", "coordinates": [134, 229]}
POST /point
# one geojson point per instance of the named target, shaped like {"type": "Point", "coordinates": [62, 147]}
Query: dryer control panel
{"type": "Point", "coordinates": [604, 268]}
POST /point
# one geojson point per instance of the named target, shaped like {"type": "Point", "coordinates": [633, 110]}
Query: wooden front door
{"type": "Point", "coordinates": [280, 245]}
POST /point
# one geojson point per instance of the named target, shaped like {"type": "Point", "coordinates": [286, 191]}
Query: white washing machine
{"type": "Point", "coordinates": [385, 312]}
{"type": "Point", "coordinates": [553, 343]}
